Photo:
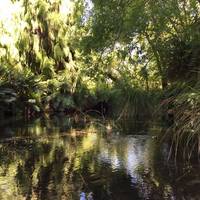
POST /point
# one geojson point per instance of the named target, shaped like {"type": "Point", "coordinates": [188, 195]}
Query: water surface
{"type": "Point", "coordinates": [61, 158]}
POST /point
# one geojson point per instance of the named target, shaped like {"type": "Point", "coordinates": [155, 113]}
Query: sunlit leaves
{"type": "Point", "coordinates": [48, 67]}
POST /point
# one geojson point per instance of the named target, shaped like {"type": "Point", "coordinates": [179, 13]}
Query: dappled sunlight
{"type": "Point", "coordinates": [89, 141]}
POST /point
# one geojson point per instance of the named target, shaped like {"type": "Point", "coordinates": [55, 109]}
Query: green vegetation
{"type": "Point", "coordinates": [123, 58]}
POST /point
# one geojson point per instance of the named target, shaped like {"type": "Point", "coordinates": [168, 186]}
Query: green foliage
{"type": "Point", "coordinates": [150, 26]}
{"type": "Point", "coordinates": [184, 60]}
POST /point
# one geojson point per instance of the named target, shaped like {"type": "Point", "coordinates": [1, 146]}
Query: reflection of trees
{"type": "Point", "coordinates": [61, 166]}
{"type": "Point", "coordinates": [49, 163]}
{"type": "Point", "coordinates": [40, 158]}
{"type": "Point", "coordinates": [39, 167]}
{"type": "Point", "coordinates": [50, 176]}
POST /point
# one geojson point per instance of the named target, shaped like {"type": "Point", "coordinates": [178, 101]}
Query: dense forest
{"type": "Point", "coordinates": [119, 58]}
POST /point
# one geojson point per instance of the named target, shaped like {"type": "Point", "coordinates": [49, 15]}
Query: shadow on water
{"type": "Point", "coordinates": [62, 158]}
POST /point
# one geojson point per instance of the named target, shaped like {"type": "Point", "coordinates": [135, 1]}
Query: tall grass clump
{"type": "Point", "coordinates": [133, 102]}
{"type": "Point", "coordinates": [184, 133]}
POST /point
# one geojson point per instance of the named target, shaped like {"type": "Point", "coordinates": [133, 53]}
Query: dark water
{"type": "Point", "coordinates": [61, 158]}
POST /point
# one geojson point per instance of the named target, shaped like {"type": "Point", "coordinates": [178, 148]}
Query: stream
{"type": "Point", "coordinates": [65, 158]}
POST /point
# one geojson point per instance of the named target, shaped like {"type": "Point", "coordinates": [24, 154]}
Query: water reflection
{"type": "Point", "coordinates": [62, 159]}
